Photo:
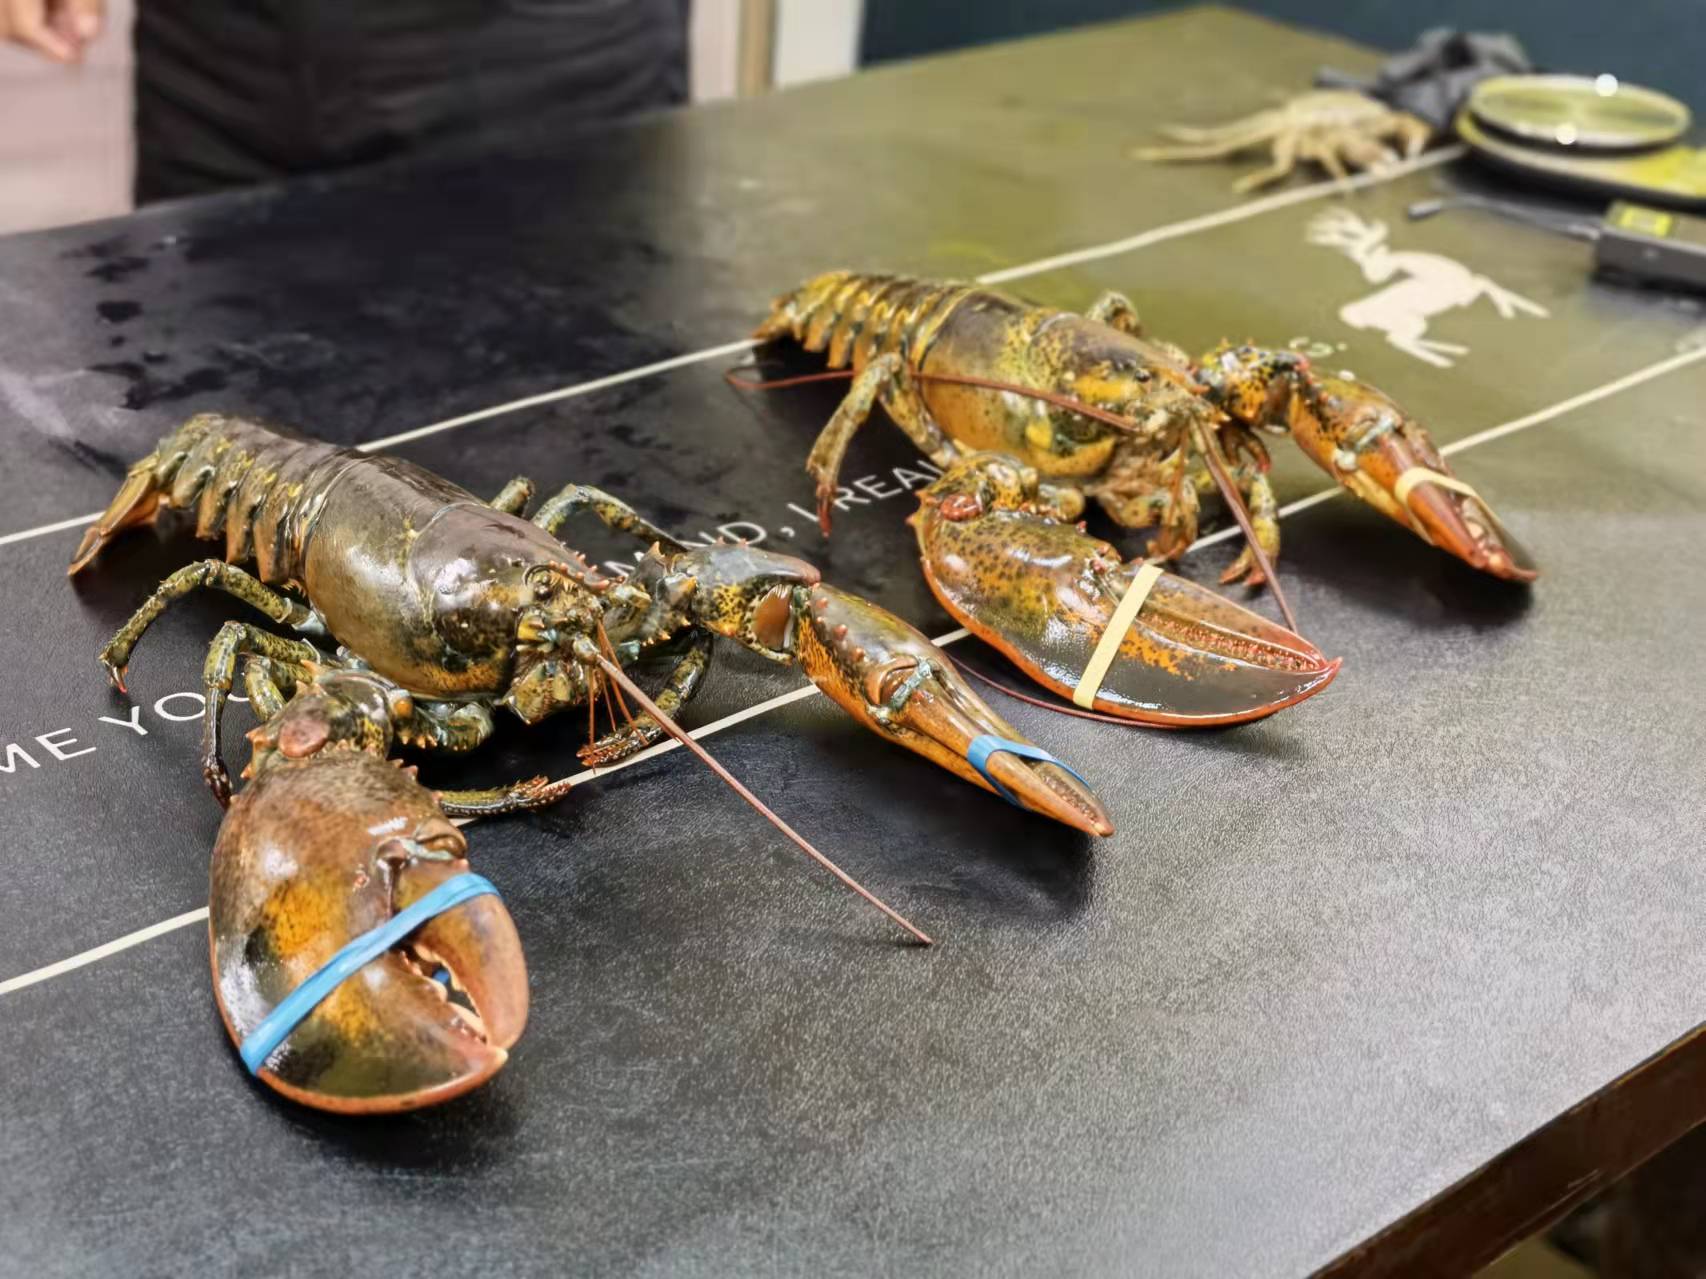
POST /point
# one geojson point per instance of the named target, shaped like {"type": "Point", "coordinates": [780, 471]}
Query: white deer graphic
{"type": "Point", "coordinates": [1423, 285]}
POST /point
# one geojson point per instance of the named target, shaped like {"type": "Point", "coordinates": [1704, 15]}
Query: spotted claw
{"type": "Point", "coordinates": [1121, 638]}
{"type": "Point", "coordinates": [1371, 446]}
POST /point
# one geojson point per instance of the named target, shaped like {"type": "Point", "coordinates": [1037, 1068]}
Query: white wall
{"type": "Point", "coordinates": [816, 39]}
{"type": "Point", "coordinates": [811, 40]}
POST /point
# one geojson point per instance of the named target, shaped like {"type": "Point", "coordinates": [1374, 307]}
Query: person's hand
{"type": "Point", "coordinates": [56, 29]}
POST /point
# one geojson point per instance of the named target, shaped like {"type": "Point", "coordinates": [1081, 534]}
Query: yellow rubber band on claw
{"type": "Point", "coordinates": [1096, 669]}
{"type": "Point", "coordinates": [1427, 475]}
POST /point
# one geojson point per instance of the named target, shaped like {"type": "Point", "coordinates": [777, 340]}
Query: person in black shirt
{"type": "Point", "coordinates": [234, 92]}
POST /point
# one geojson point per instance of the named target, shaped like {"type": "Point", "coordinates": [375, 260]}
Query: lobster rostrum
{"type": "Point", "coordinates": [339, 890]}
{"type": "Point", "coordinates": [1100, 411]}
{"type": "Point", "coordinates": [460, 606]}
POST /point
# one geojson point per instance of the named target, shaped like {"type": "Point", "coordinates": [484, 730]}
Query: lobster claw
{"type": "Point", "coordinates": [897, 683]}
{"type": "Point", "coordinates": [1048, 596]}
{"type": "Point", "coordinates": [1364, 440]}
{"type": "Point", "coordinates": [324, 856]}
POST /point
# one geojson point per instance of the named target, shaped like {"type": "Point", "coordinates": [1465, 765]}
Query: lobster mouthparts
{"type": "Point", "coordinates": [316, 854]}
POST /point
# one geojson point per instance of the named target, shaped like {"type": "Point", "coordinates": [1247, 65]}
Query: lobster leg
{"type": "Point", "coordinates": [1116, 311]}
{"type": "Point", "coordinates": [1140, 490]}
{"type": "Point", "coordinates": [643, 731]}
{"type": "Point", "coordinates": [234, 639]}
{"type": "Point", "coordinates": [887, 379]}
{"type": "Point", "coordinates": [513, 498]}
{"type": "Point", "coordinates": [115, 657]}
{"type": "Point", "coordinates": [453, 727]}
{"type": "Point", "coordinates": [261, 682]}
{"type": "Point", "coordinates": [632, 633]}
{"type": "Point", "coordinates": [495, 801]}
{"type": "Point", "coordinates": [611, 511]}
{"type": "Point", "coordinates": [1264, 518]}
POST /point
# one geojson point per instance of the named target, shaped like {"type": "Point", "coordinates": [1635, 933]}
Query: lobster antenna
{"type": "Point", "coordinates": [675, 730]}
{"type": "Point", "coordinates": [1046, 705]}
{"type": "Point", "coordinates": [1206, 442]}
{"type": "Point", "coordinates": [613, 690]}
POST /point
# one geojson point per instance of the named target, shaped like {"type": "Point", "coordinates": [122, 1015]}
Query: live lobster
{"type": "Point", "coordinates": [1030, 410]}
{"type": "Point", "coordinates": [445, 606]}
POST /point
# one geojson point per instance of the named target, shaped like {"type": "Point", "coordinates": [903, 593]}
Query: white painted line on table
{"type": "Point", "coordinates": [102, 951]}
{"type": "Point", "coordinates": [1225, 217]}
{"type": "Point", "coordinates": [1113, 248]}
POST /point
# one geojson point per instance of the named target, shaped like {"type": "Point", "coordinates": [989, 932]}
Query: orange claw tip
{"type": "Point", "coordinates": [1050, 790]}
{"type": "Point", "coordinates": [1464, 525]}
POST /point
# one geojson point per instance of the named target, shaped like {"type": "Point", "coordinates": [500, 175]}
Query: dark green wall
{"type": "Point", "coordinates": [1661, 43]}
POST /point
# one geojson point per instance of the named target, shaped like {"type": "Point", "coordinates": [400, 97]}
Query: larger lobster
{"type": "Point", "coordinates": [1029, 410]}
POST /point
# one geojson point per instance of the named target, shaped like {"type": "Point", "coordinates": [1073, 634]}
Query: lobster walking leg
{"type": "Point", "coordinates": [219, 575]}
{"type": "Point", "coordinates": [888, 380]}
{"type": "Point", "coordinates": [573, 499]}
{"type": "Point", "coordinates": [643, 731]}
{"type": "Point", "coordinates": [453, 727]}
{"type": "Point", "coordinates": [235, 639]}
{"type": "Point", "coordinates": [495, 801]}
{"type": "Point", "coordinates": [513, 498]}
{"type": "Point", "coordinates": [1116, 311]}
{"type": "Point", "coordinates": [664, 588]}
{"type": "Point", "coordinates": [260, 681]}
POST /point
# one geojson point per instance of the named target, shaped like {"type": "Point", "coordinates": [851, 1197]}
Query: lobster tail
{"type": "Point", "coordinates": [257, 486]}
{"type": "Point", "coordinates": [145, 486]}
{"type": "Point", "coordinates": [855, 317]}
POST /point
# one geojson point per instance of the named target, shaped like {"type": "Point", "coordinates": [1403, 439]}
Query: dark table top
{"type": "Point", "coordinates": [1378, 983]}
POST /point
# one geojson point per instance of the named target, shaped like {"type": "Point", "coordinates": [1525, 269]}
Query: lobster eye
{"type": "Point", "coordinates": [544, 581]}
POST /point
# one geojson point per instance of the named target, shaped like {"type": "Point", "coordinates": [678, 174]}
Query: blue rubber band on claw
{"type": "Point", "coordinates": [983, 747]}
{"type": "Point", "coordinates": [276, 1026]}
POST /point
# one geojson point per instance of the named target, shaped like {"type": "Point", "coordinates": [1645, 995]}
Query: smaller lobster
{"type": "Point", "coordinates": [338, 889]}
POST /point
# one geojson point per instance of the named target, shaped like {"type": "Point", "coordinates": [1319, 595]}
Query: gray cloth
{"type": "Point", "coordinates": [1432, 79]}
